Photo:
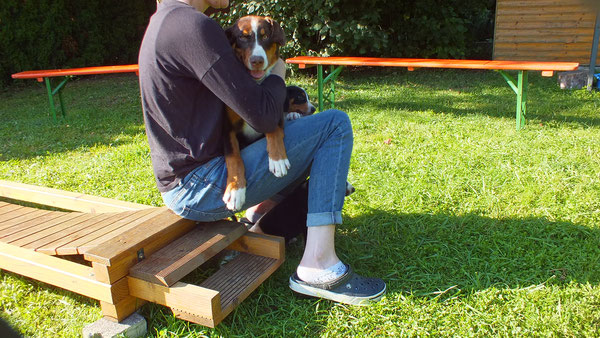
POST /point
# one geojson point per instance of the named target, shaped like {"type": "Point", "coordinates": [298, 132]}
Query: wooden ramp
{"type": "Point", "coordinates": [135, 253]}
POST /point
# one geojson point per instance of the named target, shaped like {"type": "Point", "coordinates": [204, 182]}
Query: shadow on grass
{"type": "Point", "coordinates": [426, 253]}
{"type": "Point", "coordinates": [466, 93]}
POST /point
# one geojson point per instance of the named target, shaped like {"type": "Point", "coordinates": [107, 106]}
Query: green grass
{"type": "Point", "coordinates": [479, 230]}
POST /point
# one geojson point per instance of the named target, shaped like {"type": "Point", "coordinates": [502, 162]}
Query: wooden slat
{"type": "Point", "coordinates": [116, 229]}
{"type": "Point", "coordinates": [55, 271]}
{"type": "Point", "coordinates": [64, 199]}
{"type": "Point", "coordinates": [49, 243]}
{"type": "Point", "coordinates": [32, 223]}
{"type": "Point", "coordinates": [7, 209]}
{"type": "Point", "coordinates": [33, 74]}
{"type": "Point", "coordinates": [572, 18]}
{"type": "Point", "coordinates": [38, 227]}
{"type": "Point", "coordinates": [171, 263]}
{"type": "Point", "coordinates": [28, 214]}
{"type": "Point", "coordinates": [432, 63]}
{"type": "Point", "coordinates": [65, 246]}
{"type": "Point", "coordinates": [38, 236]}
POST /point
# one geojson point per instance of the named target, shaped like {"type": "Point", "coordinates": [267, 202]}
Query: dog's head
{"type": "Point", "coordinates": [297, 101]}
{"type": "Point", "coordinates": [256, 41]}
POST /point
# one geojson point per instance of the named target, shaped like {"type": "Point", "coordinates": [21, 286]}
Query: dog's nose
{"type": "Point", "coordinates": [312, 109]}
{"type": "Point", "coordinates": [257, 61]}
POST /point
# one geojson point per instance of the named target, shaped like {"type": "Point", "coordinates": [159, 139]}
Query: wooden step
{"type": "Point", "coordinates": [171, 263]}
{"type": "Point", "coordinates": [235, 282]}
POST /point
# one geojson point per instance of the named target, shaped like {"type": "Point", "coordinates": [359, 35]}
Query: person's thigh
{"type": "Point", "coordinates": [199, 195]}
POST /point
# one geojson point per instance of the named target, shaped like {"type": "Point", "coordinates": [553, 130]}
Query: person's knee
{"type": "Point", "coordinates": [340, 118]}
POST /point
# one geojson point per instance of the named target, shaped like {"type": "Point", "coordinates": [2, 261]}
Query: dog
{"type": "Point", "coordinates": [297, 104]}
{"type": "Point", "coordinates": [255, 41]}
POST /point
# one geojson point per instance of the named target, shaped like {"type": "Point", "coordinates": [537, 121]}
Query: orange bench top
{"type": "Point", "coordinates": [40, 74]}
{"type": "Point", "coordinates": [302, 61]}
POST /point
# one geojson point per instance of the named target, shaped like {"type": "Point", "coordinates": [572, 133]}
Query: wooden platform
{"type": "Point", "coordinates": [135, 253]}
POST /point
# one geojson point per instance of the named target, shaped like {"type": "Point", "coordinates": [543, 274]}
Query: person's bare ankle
{"type": "Point", "coordinates": [256, 229]}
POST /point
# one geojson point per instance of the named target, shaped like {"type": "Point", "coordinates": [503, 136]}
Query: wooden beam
{"type": "Point", "coordinates": [62, 273]}
{"type": "Point", "coordinates": [185, 297]}
{"type": "Point", "coordinates": [64, 199]}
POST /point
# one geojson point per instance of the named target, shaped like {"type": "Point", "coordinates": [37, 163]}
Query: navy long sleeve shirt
{"type": "Point", "coordinates": [188, 73]}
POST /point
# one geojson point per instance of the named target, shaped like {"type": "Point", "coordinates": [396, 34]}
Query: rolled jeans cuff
{"type": "Point", "coordinates": [323, 218]}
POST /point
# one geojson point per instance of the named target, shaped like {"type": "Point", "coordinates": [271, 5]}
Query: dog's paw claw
{"type": "Point", "coordinates": [279, 168]}
{"type": "Point", "coordinates": [234, 199]}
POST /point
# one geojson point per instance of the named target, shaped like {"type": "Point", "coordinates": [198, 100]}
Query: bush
{"type": "Point", "coordinates": [392, 28]}
{"type": "Point", "coordinates": [46, 34]}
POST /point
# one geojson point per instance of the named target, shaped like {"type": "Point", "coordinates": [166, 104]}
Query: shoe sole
{"type": "Point", "coordinates": [336, 297]}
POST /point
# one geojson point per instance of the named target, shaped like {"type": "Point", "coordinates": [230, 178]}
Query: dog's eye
{"type": "Point", "coordinates": [264, 37]}
{"type": "Point", "coordinates": [245, 37]}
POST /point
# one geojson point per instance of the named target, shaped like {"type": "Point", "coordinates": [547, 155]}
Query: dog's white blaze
{"type": "Point", "coordinates": [258, 50]}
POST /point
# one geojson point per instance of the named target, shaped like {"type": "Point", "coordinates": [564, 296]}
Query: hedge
{"type": "Point", "coordinates": [45, 34]}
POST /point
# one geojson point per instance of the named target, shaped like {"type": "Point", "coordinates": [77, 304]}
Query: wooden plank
{"type": "Point", "coordinates": [116, 229]}
{"type": "Point", "coordinates": [64, 199]}
{"type": "Point", "coordinates": [55, 271]}
{"type": "Point", "coordinates": [34, 74]}
{"type": "Point", "coordinates": [26, 216]}
{"type": "Point", "coordinates": [541, 3]}
{"type": "Point", "coordinates": [38, 227]}
{"type": "Point", "coordinates": [7, 209]}
{"type": "Point", "coordinates": [573, 18]}
{"type": "Point", "coordinates": [65, 245]}
{"type": "Point", "coordinates": [149, 236]}
{"type": "Point", "coordinates": [433, 63]}
{"type": "Point", "coordinates": [32, 223]}
{"type": "Point", "coordinates": [565, 39]}
{"type": "Point", "coordinates": [171, 263]}
{"type": "Point", "coordinates": [46, 245]}
{"type": "Point", "coordinates": [260, 244]}
{"type": "Point", "coordinates": [185, 297]}
{"type": "Point", "coordinates": [38, 236]}
{"type": "Point", "coordinates": [543, 25]}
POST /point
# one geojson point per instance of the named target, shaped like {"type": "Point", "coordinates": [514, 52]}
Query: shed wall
{"type": "Point", "coordinates": [544, 30]}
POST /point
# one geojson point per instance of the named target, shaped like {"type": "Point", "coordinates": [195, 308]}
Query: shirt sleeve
{"type": "Point", "coordinates": [211, 58]}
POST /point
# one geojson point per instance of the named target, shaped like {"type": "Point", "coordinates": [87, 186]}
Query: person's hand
{"type": "Point", "coordinates": [279, 69]}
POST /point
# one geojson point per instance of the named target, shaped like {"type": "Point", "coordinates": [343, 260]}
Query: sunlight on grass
{"type": "Point", "coordinates": [479, 230]}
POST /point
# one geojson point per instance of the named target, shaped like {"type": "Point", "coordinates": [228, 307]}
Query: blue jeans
{"type": "Point", "coordinates": [320, 144]}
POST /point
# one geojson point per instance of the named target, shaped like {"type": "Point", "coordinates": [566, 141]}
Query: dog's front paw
{"type": "Point", "coordinates": [279, 168]}
{"type": "Point", "coordinates": [234, 198]}
{"type": "Point", "coordinates": [292, 116]}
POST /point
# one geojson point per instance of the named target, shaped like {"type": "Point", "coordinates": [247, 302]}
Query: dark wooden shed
{"type": "Point", "coordinates": [544, 30]}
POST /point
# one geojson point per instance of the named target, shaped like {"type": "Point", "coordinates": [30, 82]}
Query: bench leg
{"type": "Point", "coordinates": [52, 92]}
{"type": "Point", "coordinates": [321, 82]}
{"type": "Point", "coordinates": [520, 88]}
{"type": "Point", "coordinates": [522, 99]}
{"type": "Point", "coordinates": [50, 98]}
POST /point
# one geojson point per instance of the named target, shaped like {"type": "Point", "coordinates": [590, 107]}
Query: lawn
{"type": "Point", "coordinates": [478, 229]}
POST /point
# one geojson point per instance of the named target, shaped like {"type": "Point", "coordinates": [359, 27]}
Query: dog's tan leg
{"type": "Point", "coordinates": [235, 192]}
{"type": "Point", "coordinates": [278, 161]}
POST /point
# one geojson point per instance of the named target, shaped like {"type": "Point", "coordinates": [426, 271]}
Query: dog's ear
{"type": "Point", "coordinates": [277, 32]}
{"type": "Point", "coordinates": [232, 33]}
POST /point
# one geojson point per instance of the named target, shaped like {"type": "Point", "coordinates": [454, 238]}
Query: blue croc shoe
{"type": "Point", "coordinates": [350, 288]}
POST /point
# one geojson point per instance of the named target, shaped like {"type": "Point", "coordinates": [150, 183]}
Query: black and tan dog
{"type": "Point", "coordinates": [256, 41]}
